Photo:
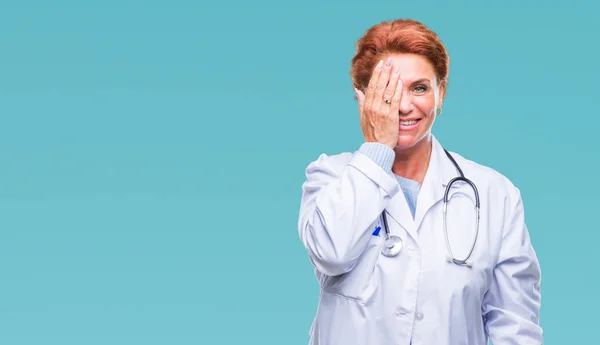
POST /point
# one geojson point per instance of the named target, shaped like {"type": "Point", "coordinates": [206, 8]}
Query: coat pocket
{"type": "Point", "coordinates": [357, 284]}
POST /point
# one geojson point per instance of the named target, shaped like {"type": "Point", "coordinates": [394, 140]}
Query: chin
{"type": "Point", "coordinates": [405, 142]}
{"type": "Point", "coordinates": [408, 141]}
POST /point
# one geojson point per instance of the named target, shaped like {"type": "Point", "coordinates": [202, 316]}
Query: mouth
{"type": "Point", "coordinates": [410, 124]}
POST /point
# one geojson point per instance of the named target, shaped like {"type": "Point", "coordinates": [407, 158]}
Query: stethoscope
{"type": "Point", "coordinates": [393, 243]}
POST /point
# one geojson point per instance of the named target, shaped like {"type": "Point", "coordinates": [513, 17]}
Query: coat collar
{"type": "Point", "coordinates": [439, 172]}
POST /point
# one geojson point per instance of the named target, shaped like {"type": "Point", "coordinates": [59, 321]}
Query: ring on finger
{"type": "Point", "coordinates": [387, 101]}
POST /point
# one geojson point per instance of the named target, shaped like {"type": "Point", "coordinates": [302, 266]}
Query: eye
{"type": "Point", "coordinates": [420, 88]}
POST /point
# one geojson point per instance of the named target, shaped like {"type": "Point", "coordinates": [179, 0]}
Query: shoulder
{"type": "Point", "coordinates": [332, 163]}
{"type": "Point", "coordinates": [501, 200]}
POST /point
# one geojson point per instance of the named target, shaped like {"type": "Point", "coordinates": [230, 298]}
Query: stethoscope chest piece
{"type": "Point", "coordinates": [392, 246]}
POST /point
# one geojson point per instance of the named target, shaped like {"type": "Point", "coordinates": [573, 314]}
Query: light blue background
{"type": "Point", "coordinates": [152, 155]}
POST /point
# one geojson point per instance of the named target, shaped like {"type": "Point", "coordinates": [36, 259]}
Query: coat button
{"type": "Point", "coordinates": [401, 311]}
{"type": "Point", "coordinates": [419, 316]}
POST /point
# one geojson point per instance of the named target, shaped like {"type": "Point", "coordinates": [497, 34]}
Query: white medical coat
{"type": "Point", "coordinates": [418, 297]}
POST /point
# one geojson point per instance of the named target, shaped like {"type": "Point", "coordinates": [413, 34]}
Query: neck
{"type": "Point", "coordinates": [412, 163]}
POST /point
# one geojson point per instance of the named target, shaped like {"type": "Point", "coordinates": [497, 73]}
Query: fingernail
{"type": "Point", "coordinates": [396, 70]}
{"type": "Point", "coordinates": [388, 62]}
{"type": "Point", "coordinates": [379, 64]}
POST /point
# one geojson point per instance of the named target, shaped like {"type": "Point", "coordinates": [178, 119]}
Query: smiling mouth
{"type": "Point", "coordinates": [409, 122]}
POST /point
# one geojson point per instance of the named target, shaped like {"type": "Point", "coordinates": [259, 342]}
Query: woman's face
{"type": "Point", "coordinates": [421, 95]}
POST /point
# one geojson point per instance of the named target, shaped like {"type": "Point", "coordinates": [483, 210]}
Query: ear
{"type": "Point", "coordinates": [442, 93]}
{"type": "Point", "coordinates": [360, 97]}
{"type": "Point", "coordinates": [358, 91]}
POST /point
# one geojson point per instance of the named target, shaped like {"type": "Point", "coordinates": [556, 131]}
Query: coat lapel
{"type": "Point", "coordinates": [439, 172]}
{"type": "Point", "coordinates": [399, 211]}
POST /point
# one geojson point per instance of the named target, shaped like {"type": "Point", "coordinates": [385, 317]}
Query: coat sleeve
{"type": "Point", "coordinates": [511, 306]}
{"type": "Point", "coordinates": [339, 203]}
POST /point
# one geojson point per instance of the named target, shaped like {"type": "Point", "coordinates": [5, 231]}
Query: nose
{"type": "Point", "coordinates": [406, 103]}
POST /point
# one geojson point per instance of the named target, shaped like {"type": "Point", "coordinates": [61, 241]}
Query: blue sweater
{"type": "Point", "coordinates": [384, 156]}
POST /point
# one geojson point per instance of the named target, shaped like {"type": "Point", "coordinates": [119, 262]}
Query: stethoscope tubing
{"type": "Point", "coordinates": [393, 244]}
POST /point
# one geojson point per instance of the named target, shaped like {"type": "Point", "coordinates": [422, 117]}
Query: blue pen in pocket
{"type": "Point", "coordinates": [376, 232]}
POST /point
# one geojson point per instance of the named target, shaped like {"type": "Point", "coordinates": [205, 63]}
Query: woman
{"type": "Point", "coordinates": [431, 291]}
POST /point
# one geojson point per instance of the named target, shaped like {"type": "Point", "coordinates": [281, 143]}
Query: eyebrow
{"type": "Point", "coordinates": [421, 80]}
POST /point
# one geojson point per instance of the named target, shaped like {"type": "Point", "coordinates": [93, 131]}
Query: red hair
{"type": "Point", "coordinates": [398, 36]}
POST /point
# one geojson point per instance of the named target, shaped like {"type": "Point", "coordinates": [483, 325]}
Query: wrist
{"type": "Point", "coordinates": [382, 142]}
{"type": "Point", "coordinates": [382, 154]}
